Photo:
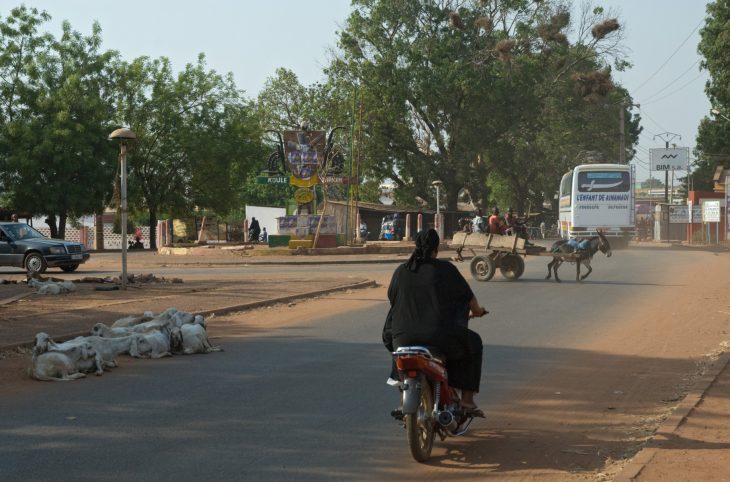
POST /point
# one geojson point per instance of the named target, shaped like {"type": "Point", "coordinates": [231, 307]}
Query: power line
{"type": "Point", "coordinates": [670, 57]}
{"type": "Point", "coordinates": [671, 83]}
{"type": "Point", "coordinates": [651, 119]}
{"type": "Point", "coordinates": [674, 91]}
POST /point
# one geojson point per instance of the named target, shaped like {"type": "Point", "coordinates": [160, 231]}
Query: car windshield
{"type": "Point", "coordinates": [20, 231]}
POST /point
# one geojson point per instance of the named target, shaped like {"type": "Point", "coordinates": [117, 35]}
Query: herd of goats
{"type": "Point", "coordinates": [142, 336]}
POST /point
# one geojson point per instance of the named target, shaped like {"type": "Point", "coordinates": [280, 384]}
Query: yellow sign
{"type": "Point", "coordinates": [312, 181]}
{"type": "Point", "coordinates": [303, 196]}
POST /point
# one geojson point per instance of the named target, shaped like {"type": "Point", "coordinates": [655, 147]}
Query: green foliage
{"type": "Point", "coordinates": [54, 156]}
{"type": "Point", "coordinates": [197, 141]}
{"type": "Point", "coordinates": [652, 183]}
{"type": "Point", "coordinates": [484, 98]}
{"type": "Point", "coordinates": [272, 195]}
{"type": "Point", "coordinates": [713, 137]}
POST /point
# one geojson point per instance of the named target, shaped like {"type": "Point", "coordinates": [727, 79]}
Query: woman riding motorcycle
{"type": "Point", "coordinates": [430, 303]}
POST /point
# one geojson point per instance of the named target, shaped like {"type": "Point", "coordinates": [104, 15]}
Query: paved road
{"type": "Point", "coordinates": [303, 403]}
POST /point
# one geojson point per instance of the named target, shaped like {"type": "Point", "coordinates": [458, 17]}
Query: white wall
{"type": "Point", "coordinates": [266, 217]}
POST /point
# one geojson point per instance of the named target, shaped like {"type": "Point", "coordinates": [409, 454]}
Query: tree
{"type": "Point", "coordinates": [197, 137]}
{"type": "Point", "coordinates": [470, 91]}
{"type": "Point", "coordinates": [652, 183]}
{"type": "Point", "coordinates": [55, 153]}
{"type": "Point", "coordinates": [713, 136]}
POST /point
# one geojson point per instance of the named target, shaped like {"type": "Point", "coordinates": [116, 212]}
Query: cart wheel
{"type": "Point", "coordinates": [482, 268]}
{"type": "Point", "coordinates": [512, 266]}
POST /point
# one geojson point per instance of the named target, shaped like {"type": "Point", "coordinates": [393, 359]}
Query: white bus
{"type": "Point", "coordinates": [598, 196]}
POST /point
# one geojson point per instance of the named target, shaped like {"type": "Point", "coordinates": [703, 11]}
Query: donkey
{"type": "Point", "coordinates": [584, 255]}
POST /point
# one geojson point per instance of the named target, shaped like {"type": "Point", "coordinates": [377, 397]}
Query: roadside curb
{"type": "Point", "coordinates": [287, 262]}
{"type": "Point", "coordinates": [677, 418]}
{"type": "Point", "coordinates": [224, 310]}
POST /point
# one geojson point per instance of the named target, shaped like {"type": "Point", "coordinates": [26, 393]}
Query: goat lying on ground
{"type": "Point", "coordinates": [58, 366]}
{"type": "Point", "coordinates": [106, 349]}
{"type": "Point", "coordinates": [100, 329]}
{"type": "Point", "coordinates": [154, 344]}
{"type": "Point", "coordinates": [146, 336]}
{"type": "Point", "coordinates": [133, 320]}
{"type": "Point", "coordinates": [51, 287]}
{"type": "Point", "coordinates": [192, 338]}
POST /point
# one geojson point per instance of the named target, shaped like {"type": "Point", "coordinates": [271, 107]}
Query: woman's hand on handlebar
{"type": "Point", "coordinates": [478, 314]}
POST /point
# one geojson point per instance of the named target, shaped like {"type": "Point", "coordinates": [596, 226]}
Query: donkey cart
{"type": "Point", "coordinates": [505, 253]}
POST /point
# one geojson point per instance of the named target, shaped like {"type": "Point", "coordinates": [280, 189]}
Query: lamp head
{"type": "Point", "coordinates": [437, 183]}
{"type": "Point", "coordinates": [122, 134]}
{"type": "Point", "coordinates": [715, 111]}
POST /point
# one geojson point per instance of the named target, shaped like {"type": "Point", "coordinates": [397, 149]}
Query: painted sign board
{"type": "Point", "coordinates": [272, 179]}
{"type": "Point", "coordinates": [711, 211]}
{"type": "Point", "coordinates": [680, 214]}
{"type": "Point", "coordinates": [304, 152]}
{"type": "Point", "coordinates": [672, 159]}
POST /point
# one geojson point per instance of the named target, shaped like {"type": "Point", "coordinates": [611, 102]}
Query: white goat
{"type": "Point", "coordinates": [154, 344]}
{"type": "Point", "coordinates": [100, 329]}
{"type": "Point", "coordinates": [57, 366]}
{"type": "Point", "coordinates": [133, 320]}
{"type": "Point", "coordinates": [106, 349]}
{"type": "Point", "coordinates": [88, 360]}
{"type": "Point", "coordinates": [192, 338]}
{"type": "Point", "coordinates": [52, 287]}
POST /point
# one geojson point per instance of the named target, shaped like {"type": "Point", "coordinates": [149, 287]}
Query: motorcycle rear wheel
{"type": "Point", "coordinates": [419, 425]}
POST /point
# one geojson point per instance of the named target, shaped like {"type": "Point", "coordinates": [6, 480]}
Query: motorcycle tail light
{"type": "Point", "coordinates": [412, 374]}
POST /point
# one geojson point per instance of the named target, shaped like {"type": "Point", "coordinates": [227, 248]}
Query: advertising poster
{"type": "Point", "coordinates": [287, 225]}
{"type": "Point", "coordinates": [304, 151]}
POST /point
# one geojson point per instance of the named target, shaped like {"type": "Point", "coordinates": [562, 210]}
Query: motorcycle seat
{"type": "Point", "coordinates": [434, 351]}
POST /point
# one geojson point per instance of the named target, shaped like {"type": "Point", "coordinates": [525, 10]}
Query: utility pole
{"type": "Point", "coordinates": [666, 137]}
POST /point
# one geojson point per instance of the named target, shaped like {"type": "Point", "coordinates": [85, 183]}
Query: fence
{"type": "Point", "coordinates": [86, 235]}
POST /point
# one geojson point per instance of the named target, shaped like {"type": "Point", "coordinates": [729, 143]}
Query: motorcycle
{"type": "Point", "coordinates": [429, 405]}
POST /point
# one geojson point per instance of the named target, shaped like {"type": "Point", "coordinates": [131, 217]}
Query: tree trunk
{"type": "Point", "coordinates": [51, 222]}
{"type": "Point", "coordinates": [62, 225]}
{"type": "Point", "coordinates": [153, 229]}
{"type": "Point", "coordinates": [452, 198]}
{"type": "Point", "coordinates": [99, 224]}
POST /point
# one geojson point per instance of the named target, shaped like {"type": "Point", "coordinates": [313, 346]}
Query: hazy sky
{"type": "Point", "coordinates": [251, 38]}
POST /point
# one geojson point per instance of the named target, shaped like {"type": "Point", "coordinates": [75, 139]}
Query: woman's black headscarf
{"type": "Point", "coordinates": [427, 241]}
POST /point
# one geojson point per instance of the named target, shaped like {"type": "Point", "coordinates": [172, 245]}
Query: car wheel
{"type": "Point", "coordinates": [70, 268]}
{"type": "Point", "coordinates": [35, 263]}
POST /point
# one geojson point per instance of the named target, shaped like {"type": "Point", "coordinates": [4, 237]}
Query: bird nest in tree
{"type": "Point", "coordinates": [593, 85]}
{"type": "Point", "coordinates": [455, 21]}
{"type": "Point", "coordinates": [551, 32]}
{"type": "Point", "coordinates": [485, 24]}
{"type": "Point", "coordinates": [600, 30]}
{"type": "Point", "coordinates": [504, 49]}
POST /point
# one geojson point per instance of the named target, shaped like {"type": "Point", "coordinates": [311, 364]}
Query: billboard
{"type": "Point", "coordinates": [679, 214]}
{"type": "Point", "coordinates": [672, 159]}
{"type": "Point", "coordinates": [304, 152]}
{"type": "Point", "coordinates": [711, 211]}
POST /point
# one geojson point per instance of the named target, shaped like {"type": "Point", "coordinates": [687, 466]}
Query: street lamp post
{"type": "Point", "coordinates": [439, 225]}
{"type": "Point", "coordinates": [123, 136]}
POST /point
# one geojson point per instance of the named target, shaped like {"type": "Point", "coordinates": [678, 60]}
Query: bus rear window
{"type": "Point", "coordinates": [604, 181]}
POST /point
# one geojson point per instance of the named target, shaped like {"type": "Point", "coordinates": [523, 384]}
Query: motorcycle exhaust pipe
{"type": "Point", "coordinates": [447, 420]}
